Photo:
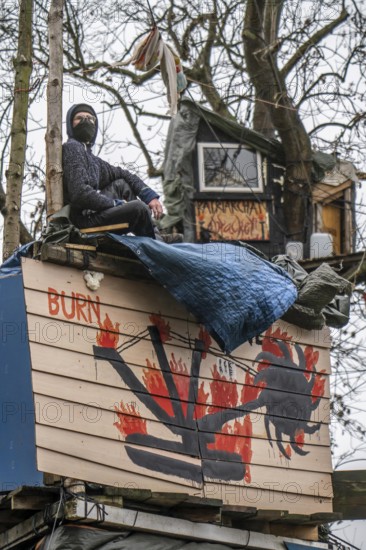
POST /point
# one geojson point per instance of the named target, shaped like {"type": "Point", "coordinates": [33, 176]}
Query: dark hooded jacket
{"type": "Point", "coordinates": [85, 174]}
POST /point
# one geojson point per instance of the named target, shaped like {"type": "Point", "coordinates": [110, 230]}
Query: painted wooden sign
{"type": "Point", "coordinates": [130, 391]}
{"type": "Point", "coordinates": [232, 219]}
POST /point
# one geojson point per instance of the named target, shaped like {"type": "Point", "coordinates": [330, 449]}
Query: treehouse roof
{"type": "Point", "coordinates": [327, 168]}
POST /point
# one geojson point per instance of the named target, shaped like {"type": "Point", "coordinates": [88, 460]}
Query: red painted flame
{"type": "Point", "coordinates": [236, 439]}
{"type": "Point", "coordinates": [162, 326]}
{"type": "Point", "coordinates": [108, 336]}
{"type": "Point", "coordinates": [288, 451]}
{"type": "Point", "coordinates": [319, 386]}
{"type": "Point", "coordinates": [311, 359]}
{"type": "Point", "coordinates": [181, 381]}
{"type": "Point", "coordinates": [249, 391]}
{"type": "Point", "coordinates": [200, 408]}
{"type": "Point", "coordinates": [129, 420]}
{"type": "Point", "coordinates": [270, 344]}
{"type": "Point", "coordinates": [206, 339]}
{"type": "Point", "coordinates": [224, 393]}
{"type": "Point", "coordinates": [155, 385]}
{"type": "Point", "coordinates": [300, 437]}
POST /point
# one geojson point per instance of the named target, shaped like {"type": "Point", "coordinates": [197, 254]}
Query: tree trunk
{"type": "Point", "coordinates": [15, 171]}
{"type": "Point", "coordinates": [260, 36]}
{"type": "Point", "coordinates": [262, 119]}
{"type": "Point", "coordinates": [54, 192]}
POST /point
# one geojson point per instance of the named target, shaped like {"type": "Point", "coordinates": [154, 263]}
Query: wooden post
{"type": "Point", "coordinates": [15, 171]}
{"type": "Point", "coordinates": [54, 195]}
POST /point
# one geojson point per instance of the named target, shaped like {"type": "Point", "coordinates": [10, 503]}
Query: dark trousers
{"type": "Point", "coordinates": [134, 212]}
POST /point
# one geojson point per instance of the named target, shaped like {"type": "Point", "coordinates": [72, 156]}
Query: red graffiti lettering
{"type": "Point", "coordinates": [66, 314]}
{"type": "Point", "coordinates": [84, 308]}
{"type": "Point", "coordinates": [53, 305]}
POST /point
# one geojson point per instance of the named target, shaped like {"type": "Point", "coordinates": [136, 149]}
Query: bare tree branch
{"type": "Point", "coordinates": [313, 41]}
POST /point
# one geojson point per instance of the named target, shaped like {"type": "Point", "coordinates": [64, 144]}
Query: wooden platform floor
{"type": "Point", "coordinates": [24, 508]}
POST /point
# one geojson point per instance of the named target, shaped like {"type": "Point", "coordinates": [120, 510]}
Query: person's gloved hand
{"type": "Point", "coordinates": [118, 202]}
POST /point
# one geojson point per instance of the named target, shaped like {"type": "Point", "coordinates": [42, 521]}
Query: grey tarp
{"type": "Point", "coordinates": [322, 163]}
{"type": "Point", "coordinates": [272, 148]}
{"type": "Point", "coordinates": [178, 171]}
{"type": "Point", "coordinates": [74, 537]}
{"type": "Point", "coordinates": [323, 296]}
{"type": "Point", "coordinates": [238, 132]}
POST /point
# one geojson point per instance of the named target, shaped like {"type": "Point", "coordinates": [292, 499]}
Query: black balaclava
{"type": "Point", "coordinates": [85, 131]}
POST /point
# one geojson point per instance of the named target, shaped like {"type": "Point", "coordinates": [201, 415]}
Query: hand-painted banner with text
{"type": "Point", "coordinates": [232, 220]}
{"type": "Point", "coordinates": [129, 389]}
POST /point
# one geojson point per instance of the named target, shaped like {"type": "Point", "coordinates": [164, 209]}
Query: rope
{"type": "Point", "coordinates": [151, 14]}
{"type": "Point", "coordinates": [47, 517]}
{"type": "Point", "coordinates": [101, 513]}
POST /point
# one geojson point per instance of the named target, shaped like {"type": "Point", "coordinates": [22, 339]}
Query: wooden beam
{"type": "Point", "coordinates": [346, 260]}
{"type": "Point", "coordinates": [351, 266]}
{"type": "Point", "coordinates": [35, 502]}
{"type": "Point", "coordinates": [88, 247]}
{"type": "Point", "coordinates": [54, 191]}
{"type": "Point", "coordinates": [303, 532]}
{"type": "Point", "coordinates": [86, 512]}
{"type": "Point", "coordinates": [325, 194]}
{"type": "Point", "coordinates": [105, 263]}
{"type": "Point", "coordinates": [127, 493]}
{"type": "Point", "coordinates": [121, 518]}
{"type": "Point", "coordinates": [105, 228]}
{"type": "Point", "coordinates": [30, 529]}
{"type": "Point", "coordinates": [28, 498]}
{"type": "Point", "coordinates": [51, 479]}
{"type": "Point", "coordinates": [238, 512]}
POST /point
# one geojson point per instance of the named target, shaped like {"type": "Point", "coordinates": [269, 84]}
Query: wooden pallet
{"type": "Point", "coordinates": [85, 257]}
{"type": "Point", "coordinates": [23, 517]}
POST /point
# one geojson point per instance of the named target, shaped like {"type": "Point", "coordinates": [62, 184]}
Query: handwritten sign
{"type": "Point", "coordinates": [232, 220]}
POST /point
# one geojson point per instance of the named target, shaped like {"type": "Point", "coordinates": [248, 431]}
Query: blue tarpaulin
{"type": "Point", "coordinates": [12, 266]}
{"type": "Point", "coordinates": [229, 289]}
{"type": "Point", "coordinates": [294, 546]}
{"type": "Point", "coordinates": [17, 442]}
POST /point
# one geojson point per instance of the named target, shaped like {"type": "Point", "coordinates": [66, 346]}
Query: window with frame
{"type": "Point", "coordinates": [229, 167]}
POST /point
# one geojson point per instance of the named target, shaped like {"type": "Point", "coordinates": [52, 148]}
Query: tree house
{"type": "Point", "coordinates": [223, 181]}
{"type": "Point", "coordinates": [130, 392]}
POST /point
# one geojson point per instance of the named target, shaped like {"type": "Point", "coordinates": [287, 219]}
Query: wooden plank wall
{"type": "Point", "coordinates": [130, 391]}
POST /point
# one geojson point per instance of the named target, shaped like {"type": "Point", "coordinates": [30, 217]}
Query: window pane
{"type": "Point", "coordinates": [230, 167]}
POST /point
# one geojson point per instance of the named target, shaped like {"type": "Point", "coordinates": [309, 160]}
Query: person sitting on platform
{"type": "Point", "coordinates": [101, 194]}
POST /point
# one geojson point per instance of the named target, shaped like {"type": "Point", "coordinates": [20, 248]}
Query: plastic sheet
{"type": "Point", "coordinates": [323, 296]}
{"type": "Point", "coordinates": [229, 289]}
{"type": "Point", "coordinates": [74, 537]}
